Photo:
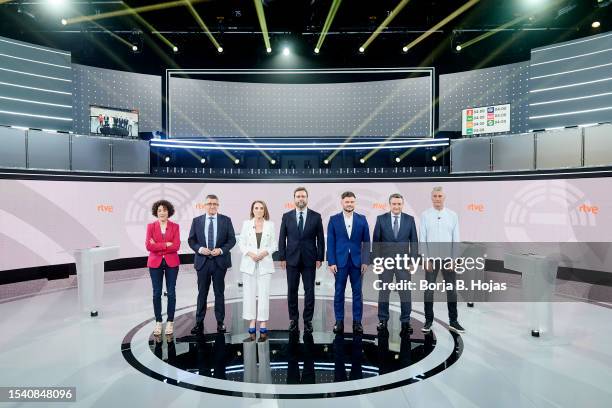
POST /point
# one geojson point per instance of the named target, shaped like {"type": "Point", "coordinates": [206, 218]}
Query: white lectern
{"type": "Point", "coordinates": [539, 274]}
{"type": "Point", "coordinates": [90, 275]}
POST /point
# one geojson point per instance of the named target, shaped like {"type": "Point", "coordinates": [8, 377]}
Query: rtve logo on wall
{"type": "Point", "coordinates": [104, 208]}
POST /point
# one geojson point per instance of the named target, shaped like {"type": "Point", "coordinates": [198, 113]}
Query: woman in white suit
{"type": "Point", "coordinates": [257, 244]}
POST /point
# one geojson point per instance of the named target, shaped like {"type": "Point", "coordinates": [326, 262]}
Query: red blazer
{"type": "Point", "coordinates": [159, 249]}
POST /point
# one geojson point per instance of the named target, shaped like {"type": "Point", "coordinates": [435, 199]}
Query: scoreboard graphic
{"type": "Point", "coordinates": [486, 119]}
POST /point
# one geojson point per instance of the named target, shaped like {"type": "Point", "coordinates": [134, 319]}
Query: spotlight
{"type": "Point", "coordinates": [273, 162]}
{"type": "Point", "coordinates": [434, 158]}
{"type": "Point", "coordinates": [405, 49]}
{"type": "Point", "coordinates": [316, 50]}
{"type": "Point", "coordinates": [458, 47]}
{"type": "Point", "coordinates": [236, 161]}
{"type": "Point", "coordinates": [397, 159]}
{"type": "Point", "coordinates": [203, 160]}
{"type": "Point", "coordinates": [167, 159]}
{"type": "Point", "coordinates": [220, 49]}
{"type": "Point", "coordinates": [286, 51]}
{"type": "Point", "coordinates": [326, 162]}
{"type": "Point", "coordinates": [362, 160]}
{"type": "Point", "coordinates": [175, 48]}
{"type": "Point", "coordinates": [595, 24]}
{"type": "Point", "coordinates": [134, 48]}
{"type": "Point", "coordinates": [64, 21]}
{"type": "Point", "coordinates": [361, 50]}
{"type": "Point", "coordinates": [268, 50]}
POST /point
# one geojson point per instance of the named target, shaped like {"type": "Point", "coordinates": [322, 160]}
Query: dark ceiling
{"type": "Point", "coordinates": [297, 24]}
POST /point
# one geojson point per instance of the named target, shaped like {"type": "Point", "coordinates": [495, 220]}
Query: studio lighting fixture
{"type": "Point", "coordinates": [64, 21]}
{"type": "Point", "coordinates": [458, 47]}
{"type": "Point", "coordinates": [316, 50]}
{"type": "Point", "coordinates": [286, 51]}
{"type": "Point", "coordinates": [362, 160]}
{"type": "Point", "coordinates": [268, 50]}
{"type": "Point", "coordinates": [220, 50]}
{"type": "Point", "coordinates": [361, 50]}
{"type": "Point", "coordinates": [203, 160]}
{"type": "Point", "coordinates": [398, 159]}
{"type": "Point", "coordinates": [175, 48]}
{"type": "Point", "coordinates": [167, 159]}
{"type": "Point", "coordinates": [134, 48]}
{"type": "Point", "coordinates": [384, 24]}
{"type": "Point", "coordinates": [328, 22]}
{"type": "Point", "coordinates": [595, 24]}
{"type": "Point", "coordinates": [236, 161]}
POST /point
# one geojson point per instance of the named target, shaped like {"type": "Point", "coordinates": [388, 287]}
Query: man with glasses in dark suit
{"type": "Point", "coordinates": [211, 237]}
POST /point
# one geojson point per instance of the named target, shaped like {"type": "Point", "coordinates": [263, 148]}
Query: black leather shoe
{"type": "Point", "coordinates": [339, 327]}
{"type": "Point", "coordinates": [406, 329]}
{"type": "Point", "coordinates": [357, 327]}
{"type": "Point", "coordinates": [293, 326]}
{"type": "Point", "coordinates": [427, 326]}
{"type": "Point", "coordinates": [308, 327]}
{"type": "Point", "coordinates": [382, 325]}
{"type": "Point", "coordinates": [220, 327]}
{"type": "Point", "coordinates": [198, 328]}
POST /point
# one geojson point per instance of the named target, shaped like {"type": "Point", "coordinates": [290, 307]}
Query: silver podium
{"type": "Point", "coordinates": [539, 274]}
{"type": "Point", "coordinates": [90, 275]}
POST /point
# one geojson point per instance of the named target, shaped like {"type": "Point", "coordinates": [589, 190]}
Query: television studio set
{"type": "Point", "coordinates": [298, 203]}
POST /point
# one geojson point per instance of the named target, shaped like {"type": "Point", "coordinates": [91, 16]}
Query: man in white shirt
{"type": "Point", "coordinates": [439, 237]}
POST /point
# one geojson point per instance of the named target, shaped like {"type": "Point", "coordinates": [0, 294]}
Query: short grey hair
{"type": "Point", "coordinates": [437, 189]}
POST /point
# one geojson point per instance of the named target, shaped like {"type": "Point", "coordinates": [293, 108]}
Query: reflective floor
{"type": "Point", "coordinates": [292, 358]}
{"type": "Point", "coordinates": [47, 341]}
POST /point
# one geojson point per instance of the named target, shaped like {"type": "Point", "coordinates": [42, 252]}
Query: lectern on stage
{"type": "Point", "coordinates": [538, 284]}
{"type": "Point", "coordinates": [90, 275]}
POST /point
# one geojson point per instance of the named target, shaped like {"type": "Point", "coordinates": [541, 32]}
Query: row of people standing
{"type": "Point", "coordinates": [301, 249]}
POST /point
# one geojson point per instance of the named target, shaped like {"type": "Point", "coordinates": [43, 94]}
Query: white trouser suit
{"type": "Point", "coordinates": [256, 276]}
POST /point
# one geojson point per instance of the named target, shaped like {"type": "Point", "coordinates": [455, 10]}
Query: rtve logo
{"type": "Point", "coordinates": [289, 206]}
{"type": "Point", "coordinates": [585, 208]}
{"type": "Point", "coordinates": [476, 207]}
{"type": "Point", "coordinates": [105, 208]}
{"type": "Point", "coordinates": [380, 206]}
{"type": "Point", "coordinates": [200, 206]}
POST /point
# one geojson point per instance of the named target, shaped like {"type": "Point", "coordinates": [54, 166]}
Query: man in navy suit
{"type": "Point", "coordinates": [211, 237]}
{"type": "Point", "coordinates": [301, 248]}
{"type": "Point", "coordinates": [348, 251]}
{"type": "Point", "coordinates": [395, 234]}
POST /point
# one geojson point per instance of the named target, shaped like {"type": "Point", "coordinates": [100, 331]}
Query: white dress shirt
{"type": "Point", "coordinates": [348, 222]}
{"type": "Point", "coordinates": [297, 215]}
{"type": "Point", "coordinates": [399, 220]}
{"type": "Point", "coordinates": [439, 226]}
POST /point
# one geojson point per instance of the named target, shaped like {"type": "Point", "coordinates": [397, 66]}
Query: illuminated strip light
{"type": "Point", "coordinates": [36, 48]}
{"type": "Point", "coordinates": [37, 62]}
{"type": "Point", "coordinates": [569, 58]}
{"type": "Point", "coordinates": [571, 113]}
{"type": "Point", "coordinates": [36, 89]}
{"type": "Point", "coordinates": [36, 102]}
{"type": "Point", "coordinates": [36, 75]}
{"type": "Point", "coordinates": [571, 43]}
{"type": "Point", "coordinates": [570, 99]}
{"type": "Point", "coordinates": [571, 71]}
{"type": "Point", "coordinates": [571, 85]}
{"type": "Point", "coordinates": [36, 116]}
{"type": "Point", "coordinates": [309, 144]}
{"type": "Point", "coordinates": [286, 148]}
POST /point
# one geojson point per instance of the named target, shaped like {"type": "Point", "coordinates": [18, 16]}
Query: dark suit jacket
{"type": "Point", "coordinates": [311, 245]}
{"type": "Point", "coordinates": [386, 245]}
{"type": "Point", "coordinates": [226, 239]}
{"type": "Point", "coordinates": [339, 244]}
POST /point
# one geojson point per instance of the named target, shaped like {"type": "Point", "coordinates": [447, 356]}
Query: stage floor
{"type": "Point", "coordinates": [113, 360]}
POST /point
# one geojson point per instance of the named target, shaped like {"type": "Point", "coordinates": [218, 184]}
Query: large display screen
{"type": "Point", "coordinates": [486, 119]}
{"type": "Point", "coordinates": [41, 220]}
{"type": "Point", "coordinates": [113, 122]}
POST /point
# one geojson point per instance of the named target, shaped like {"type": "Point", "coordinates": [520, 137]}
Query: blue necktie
{"type": "Point", "coordinates": [395, 226]}
{"type": "Point", "coordinates": [211, 234]}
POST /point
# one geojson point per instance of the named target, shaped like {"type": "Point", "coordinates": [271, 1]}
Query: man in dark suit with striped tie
{"type": "Point", "coordinates": [211, 237]}
{"type": "Point", "coordinates": [395, 233]}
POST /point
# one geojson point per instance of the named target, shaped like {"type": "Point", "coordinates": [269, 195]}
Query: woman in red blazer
{"type": "Point", "coordinates": [163, 242]}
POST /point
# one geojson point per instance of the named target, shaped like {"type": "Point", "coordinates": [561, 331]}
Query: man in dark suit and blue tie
{"type": "Point", "coordinates": [301, 248]}
{"type": "Point", "coordinates": [348, 252]}
{"type": "Point", "coordinates": [395, 234]}
{"type": "Point", "coordinates": [211, 237]}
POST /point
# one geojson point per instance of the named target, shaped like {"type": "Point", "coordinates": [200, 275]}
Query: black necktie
{"type": "Point", "coordinates": [211, 234]}
{"type": "Point", "coordinates": [301, 223]}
